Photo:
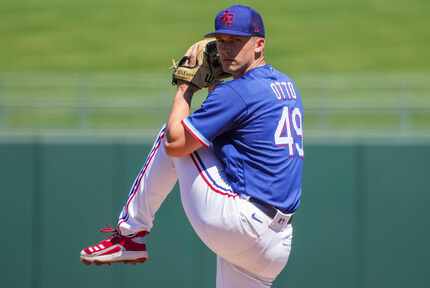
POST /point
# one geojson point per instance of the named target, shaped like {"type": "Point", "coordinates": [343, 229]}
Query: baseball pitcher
{"type": "Point", "coordinates": [238, 159]}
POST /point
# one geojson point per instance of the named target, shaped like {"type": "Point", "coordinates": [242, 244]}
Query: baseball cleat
{"type": "Point", "coordinates": [116, 249]}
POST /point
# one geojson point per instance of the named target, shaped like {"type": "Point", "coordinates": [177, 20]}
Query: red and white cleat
{"type": "Point", "coordinates": [116, 249]}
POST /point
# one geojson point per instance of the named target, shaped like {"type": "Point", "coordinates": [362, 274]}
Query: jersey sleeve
{"type": "Point", "coordinates": [222, 110]}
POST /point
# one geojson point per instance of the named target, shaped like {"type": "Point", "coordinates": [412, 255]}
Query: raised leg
{"type": "Point", "coordinates": [154, 182]}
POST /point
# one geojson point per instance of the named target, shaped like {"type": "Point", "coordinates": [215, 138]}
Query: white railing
{"type": "Point", "coordinates": [335, 105]}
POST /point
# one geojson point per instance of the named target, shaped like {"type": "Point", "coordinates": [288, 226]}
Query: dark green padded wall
{"type": "Point", "coordinates": [363, 220]}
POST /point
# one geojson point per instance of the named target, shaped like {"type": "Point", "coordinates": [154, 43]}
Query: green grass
{"type": "Point", "coordinates": [103, 64]}
{"type": "Point", "coordinates": [303, 36]}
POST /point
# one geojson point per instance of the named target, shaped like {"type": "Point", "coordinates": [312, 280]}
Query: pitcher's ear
{"type": "Point", "coordinates": [259, 44]}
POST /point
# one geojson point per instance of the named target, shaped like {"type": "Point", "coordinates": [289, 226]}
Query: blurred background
{"type": "Point", "coordinates": [85, 85]}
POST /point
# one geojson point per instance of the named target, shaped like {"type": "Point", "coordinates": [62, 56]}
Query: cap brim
{"type": "Point", "coordinates": [228, 32]}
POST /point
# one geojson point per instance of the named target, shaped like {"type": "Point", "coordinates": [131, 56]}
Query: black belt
{"type": "Point", "coordinates": [267, 209]}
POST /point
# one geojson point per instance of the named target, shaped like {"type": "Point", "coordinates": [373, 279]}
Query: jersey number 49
{"type": "Point", "coordinates": [291, 121]}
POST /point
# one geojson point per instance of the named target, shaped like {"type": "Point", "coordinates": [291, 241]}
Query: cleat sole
{"type": "Point", "coordinates": [99, 263]}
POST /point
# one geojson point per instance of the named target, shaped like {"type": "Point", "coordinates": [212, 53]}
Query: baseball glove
{"type": "Point", "coordinates": [200, 65]}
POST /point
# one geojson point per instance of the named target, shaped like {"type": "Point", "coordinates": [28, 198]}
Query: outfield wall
{"type": "Point", "coordinates": [363, 222]}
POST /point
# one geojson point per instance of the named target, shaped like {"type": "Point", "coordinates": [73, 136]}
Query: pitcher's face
{"type": "Point", "coordinates": [238, 53]}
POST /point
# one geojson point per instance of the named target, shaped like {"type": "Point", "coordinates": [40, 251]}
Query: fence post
{"type": "Point", "coordinates": [3, 107]}
{"type": "Point", "coordinates": [83, 102]}
{"type": "Point", "coordinates": [404, 112]}
{"type": "Point", "coordinates": [322, 111]}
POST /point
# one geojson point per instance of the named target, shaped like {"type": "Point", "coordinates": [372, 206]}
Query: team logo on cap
{"type": "Point", "coordinates": [227, 18]}
{"type": "Point", "coordinates": [256, 27]}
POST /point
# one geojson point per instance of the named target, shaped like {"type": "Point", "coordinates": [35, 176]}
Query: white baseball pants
{"type": "Point", "coordinates": [251, 248]}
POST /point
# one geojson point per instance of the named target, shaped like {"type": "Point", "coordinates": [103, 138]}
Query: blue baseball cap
{"type": "Point", "coordinates": [238, 20]}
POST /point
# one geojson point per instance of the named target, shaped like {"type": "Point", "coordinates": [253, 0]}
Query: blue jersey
{"type": "Point", "coordinates": [255, 125]}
